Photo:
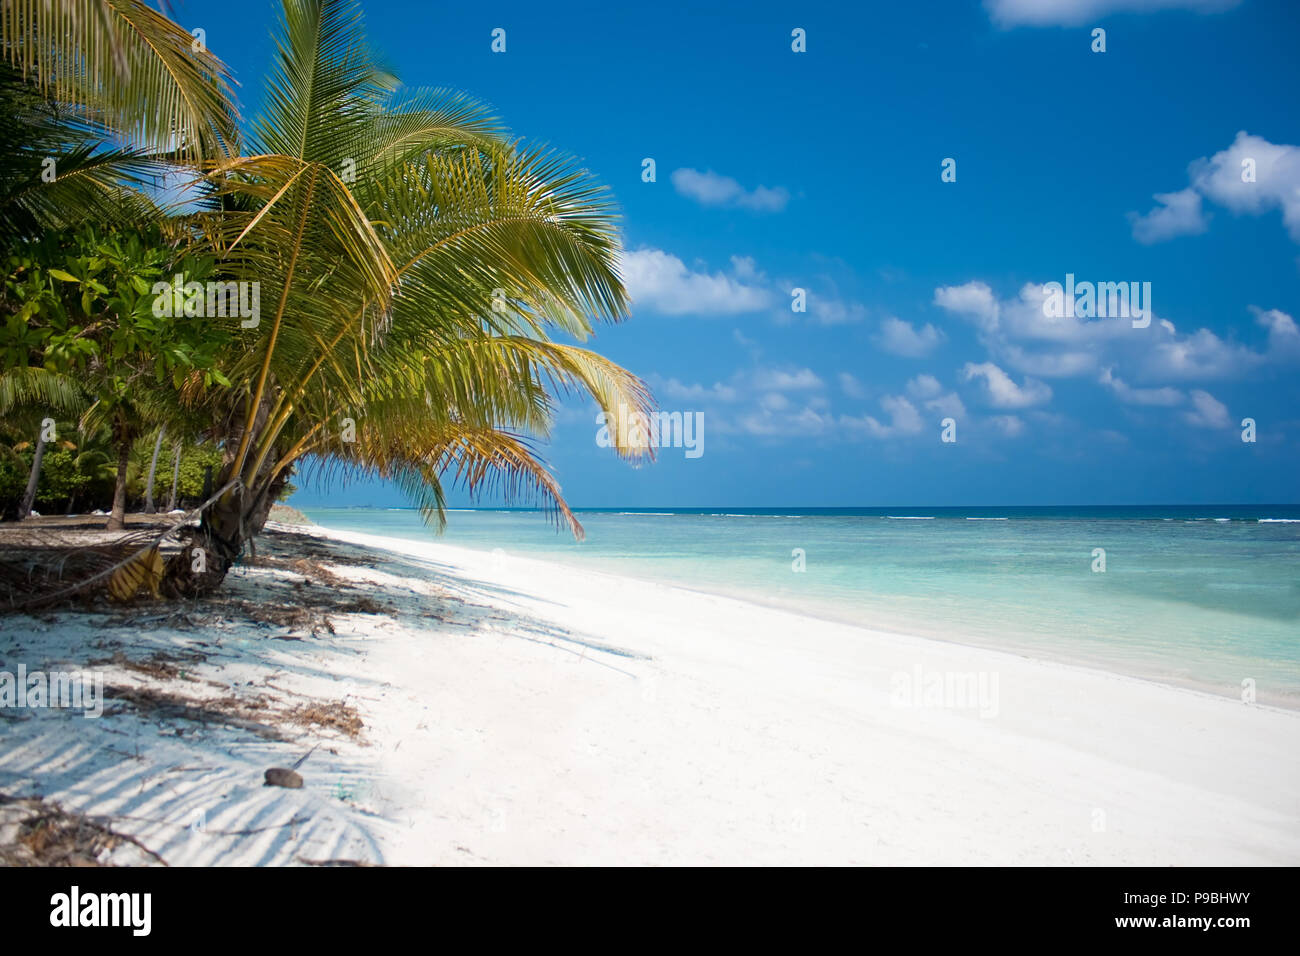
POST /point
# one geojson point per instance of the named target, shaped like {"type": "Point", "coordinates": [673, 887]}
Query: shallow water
{"type": "Point", "coordinates": [1203, 596]}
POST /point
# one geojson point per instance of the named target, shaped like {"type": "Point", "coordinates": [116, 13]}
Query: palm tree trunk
{"type": "Point", "coordinates": [176, 476]}
{"type": "Point", "coordinates": [117, 519]}
{"type": "Point", "coordinates": [153, 468]}
{"type": "Point", "coordinates": [29, 496]}
{"type": "Point", "coordinates": [223, 532]}
{"type": "Point", "coordinates": [211, 550]}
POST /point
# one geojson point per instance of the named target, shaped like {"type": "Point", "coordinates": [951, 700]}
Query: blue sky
{"type": "Point", "coordinates": [821, 170]}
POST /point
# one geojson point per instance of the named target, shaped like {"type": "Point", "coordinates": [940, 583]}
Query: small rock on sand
{"type": "Point", "coordinates": [280, 777]}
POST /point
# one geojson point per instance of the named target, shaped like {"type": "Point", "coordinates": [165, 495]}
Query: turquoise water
{"type": "Point", "coordinates": [1204, 596]}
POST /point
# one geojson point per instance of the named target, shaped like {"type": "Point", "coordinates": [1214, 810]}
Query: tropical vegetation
{"type": "Point", "coordinates": [418, 275]}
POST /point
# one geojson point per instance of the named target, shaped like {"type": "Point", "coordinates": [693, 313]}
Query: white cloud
{"type": "Point", "coordinates": [765, 422]}
{"type": "Point", "coordinates": [1219, 179]}
{"type": "Point", "coordinates": [787, 381]}
{"type": "Point", "coordinates": [660, 281]}
{"type": "Point", "coordinates": [759, 401]}
{"type": "Point", "coordinates": [1044, 13]}
{"type": "Point", "coordinates": [923, 387]}
{"type": "Point", "coordinates": [1207, 411]}
{"type": "Point", "coordinates": [1141, 396]}
{"type": "Point", "coordinates": [1018, 335]}
{"type": "Point", "coordinates": [948, 406]}
{"type": "Point", "coordinates": [1283, 334]}
{"type": "Point", "coordinates": [1049, 364]}
{"type": "Point", "coordinates": [851, 387]}
{"type": "Point", "coordinates": [927, 390]}
{"type": "Point", "coordinates": [830, 311]}
{"type": "Point", "coordinates": [902, 338]}
{"type": "Point", "coordinates": [1002, 392]}
{"type": "Point", "coordinates": [711, 189]}
{"type": "Point", "coordinates": [697, 393]}
{"type": "Point", "coordinates": [1178, 214]}
{"type": "Point", "coordinates": [745, 268]}
{"type": "Point", "coordinates": [904, 419]}
{"type": "Point", "coordinates": [974, 300]}
{"type": "Point", "coordinates": [1200, 356]}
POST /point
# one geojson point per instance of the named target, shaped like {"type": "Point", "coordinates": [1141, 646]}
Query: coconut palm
{"type": "Point", "coordinates": [124, 68]}
{"type": "Point", "coordinates": [413, 266]}
{"type": "Point", "coordinates": [98, 98]}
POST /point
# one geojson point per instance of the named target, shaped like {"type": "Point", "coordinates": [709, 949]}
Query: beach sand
{"type": "Point", "coordinates": [474, 708]}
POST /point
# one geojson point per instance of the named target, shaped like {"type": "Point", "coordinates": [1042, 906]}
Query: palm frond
{"type": "Point", "coordinates": [124, 66]}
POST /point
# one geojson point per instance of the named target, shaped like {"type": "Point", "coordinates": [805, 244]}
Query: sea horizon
{"type": "Point", "coordinates": [1257, 512]}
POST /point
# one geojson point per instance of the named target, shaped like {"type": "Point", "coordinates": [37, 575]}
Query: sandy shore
{"type": "Point", "coordinates": [474, 708]}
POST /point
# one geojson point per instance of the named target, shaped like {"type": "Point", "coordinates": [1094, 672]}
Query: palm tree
{"type": "Point", "coordinates": [23, 393]}
{"type": "Point", "coordinates": [413, 264]}
{"type": "Point", "coordinates": [122, 67]}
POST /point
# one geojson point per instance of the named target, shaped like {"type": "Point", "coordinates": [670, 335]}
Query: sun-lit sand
{"type": "Point", "coordinates": [517, 711]}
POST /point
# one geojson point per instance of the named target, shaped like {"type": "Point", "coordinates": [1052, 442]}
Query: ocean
{"type": "Point", "coordinates": [1200, 596]}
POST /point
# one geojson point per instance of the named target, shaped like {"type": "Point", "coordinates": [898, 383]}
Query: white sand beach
{"type": "Point", "coordinates": [517, 711]}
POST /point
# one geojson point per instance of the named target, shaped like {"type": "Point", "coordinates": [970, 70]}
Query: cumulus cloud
{"type": "Point", "coordinates": [902, 338]}
{"type": "Point", "coordinates": [1177, 214]}
{"type": "Point", "coordinates": [660, 281]}
{"type": "Point", "coordinates": [1283, 334]}
{"type": "Point", "coordinates": [924, 386]}
{"type": "Point", "coordinates": [1207, 411]}
{"type": "Point", "coordinates": [775, 403]}
{"type": "Point", "coordinates": [1019, 335]}
{"type": "Point", "coordinates": [833, 311]}
{"type": "Point", "coordinates": [927, 390]}
{"type": "Point", "coordinates": [1001, 391]}
{"type": "Point", "coordinates": [974, 300]}
{"type": "Point", "coordinates": [1141, 396]}
{"type": "Point", "coordinates": [783, 380]}
{"type": "Point", "coordinates": [712, 189]}
{"type": "Point", "coordinates": [948, 405]}
{"type": "Point", "coordinates": [1073, 13]}
{"type": "Point", "coordinates": [763, 401]}
{"type": "Point", "coordinates": [697, 393]}
{"type": "Point", "coordinates": [1225, 178]}
{"type": "Point", "coordinates": [904, 419]}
